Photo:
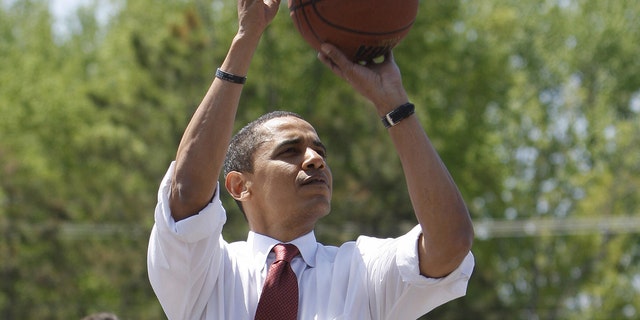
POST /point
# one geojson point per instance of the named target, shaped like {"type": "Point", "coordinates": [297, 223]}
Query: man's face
{"type": "Point", "coordinates": [291, 182]}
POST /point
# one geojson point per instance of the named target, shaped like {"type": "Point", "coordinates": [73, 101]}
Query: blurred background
{"type": "Point", "coordinates": [534, 105]}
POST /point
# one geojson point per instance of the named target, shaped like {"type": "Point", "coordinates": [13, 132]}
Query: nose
{"type": "Point", "coordinates": [313, 160]}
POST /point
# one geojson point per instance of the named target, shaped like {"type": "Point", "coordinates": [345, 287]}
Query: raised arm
{"type": "Point", "coordinates": [204, 144]}
{"type": "Point", "coordinates": [447, 232]}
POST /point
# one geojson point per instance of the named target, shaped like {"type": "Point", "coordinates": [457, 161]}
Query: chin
{"type": "Point", "coordinates": [320, 210]}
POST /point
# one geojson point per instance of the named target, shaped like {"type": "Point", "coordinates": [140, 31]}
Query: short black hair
{"type": "Point", "coordinates": [244, 144]}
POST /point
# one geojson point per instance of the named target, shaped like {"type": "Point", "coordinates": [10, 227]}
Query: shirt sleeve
{"type": "Point", "coordinates": [408, 264]}
{"type": "Point", "coordinates": [184, 257]}
{"type": "Point", "coordinates": [398, 289]}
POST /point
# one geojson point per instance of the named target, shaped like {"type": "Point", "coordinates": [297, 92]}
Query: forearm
{"type": "Point", "coordinates": [204, 144]}
{"type": "Point", "coordinates": [437, 202]}
{"type": "Point", "coordinates": [438, 205]}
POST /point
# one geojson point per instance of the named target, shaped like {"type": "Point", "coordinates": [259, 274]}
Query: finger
{"type": "Point", "coordinates": [335, 55]}
{"type": "Point", "coordinates": [389, 57]}
{"type": "Point", "coordinates": [326, 60]}
{"type": "Point", "coordinates": [272, 4]}
{"type": "Point", "coordinates": [339, 63]}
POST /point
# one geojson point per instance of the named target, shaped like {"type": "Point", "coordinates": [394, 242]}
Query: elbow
{"type": "Point", "coordinates": [447, 235]}
{"type": "Point", "coordinates": [460, 231]}
{"type": "Point", "coordinates": [442, 254]}
{"type": "Point", "coordinates": [463, 234]}
{"type": "Point", "coordinates": [466, 237]}
{"type": "Point", "coordinates": [460, 242]}
{"type": "Point", "coordinates": [463, 239]}
{"type": "Point", "coordinates": [459, 246]}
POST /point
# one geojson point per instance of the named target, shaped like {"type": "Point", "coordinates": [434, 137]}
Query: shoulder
{"type": "Point", "coordinates": [361, 247]}
{"type": "Point", "coordinates": [337, 254]}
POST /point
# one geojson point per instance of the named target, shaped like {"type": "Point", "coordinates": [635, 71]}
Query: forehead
{"type": "Point", "coordinates": [288, 127]}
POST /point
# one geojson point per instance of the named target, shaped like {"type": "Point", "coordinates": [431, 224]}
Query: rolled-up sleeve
{"type": "Point", "coordinates": [183, 257]}
{"type": "Point", "coordinates": [399, 290]}
{"type": "Point", "coordinates": [408, 264]}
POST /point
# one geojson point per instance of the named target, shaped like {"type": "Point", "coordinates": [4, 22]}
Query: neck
{"type": "Point", "coordinates": [283, 236]}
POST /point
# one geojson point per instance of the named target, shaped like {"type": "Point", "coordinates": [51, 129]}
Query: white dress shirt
{"type": "Point", "coordinates": [198, 275]}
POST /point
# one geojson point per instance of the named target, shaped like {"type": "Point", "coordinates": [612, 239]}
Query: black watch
{"type": "Point", "coordinates": [398, 114]}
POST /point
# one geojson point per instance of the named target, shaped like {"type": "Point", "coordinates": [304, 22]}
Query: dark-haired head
{"type": "Point", "coordinates": [243, 145]}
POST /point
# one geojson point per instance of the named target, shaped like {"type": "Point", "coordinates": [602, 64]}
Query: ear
{"type": "Point", "coordinates": [237, 185]}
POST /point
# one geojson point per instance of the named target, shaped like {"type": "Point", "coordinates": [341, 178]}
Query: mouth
{"type": "Point", "coordinates": [314, 180]}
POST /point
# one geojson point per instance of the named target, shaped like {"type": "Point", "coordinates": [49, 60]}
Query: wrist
{"type": "Point", "coordinates": [247, 35]}
{"type": "Point", "coordinates": [390, 101]}
{"type": "Point", "coordinates": [239, 55]}
{"type": "Point", "coordinates": [230, 77]}
{"type": "Point", "coordinates": [398, 114]}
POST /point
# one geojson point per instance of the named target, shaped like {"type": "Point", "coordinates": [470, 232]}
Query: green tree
{"type": "Point", "coordinates": [532, 105]}
{"type": "Point", "coordinates": [560, 130]}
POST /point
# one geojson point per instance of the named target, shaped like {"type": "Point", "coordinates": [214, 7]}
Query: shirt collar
{"type": "Point", "coordinates": [261, 245]}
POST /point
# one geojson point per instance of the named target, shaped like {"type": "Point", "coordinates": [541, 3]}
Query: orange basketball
{"type": "Point", "coordinates": [362, 29]}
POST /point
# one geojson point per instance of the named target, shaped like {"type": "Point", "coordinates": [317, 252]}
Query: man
{"type": "Point", "coordinates": [276, 171]}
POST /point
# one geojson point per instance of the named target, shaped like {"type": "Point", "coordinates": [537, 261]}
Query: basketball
{"type": "Point", "coordinates": [362, 29]}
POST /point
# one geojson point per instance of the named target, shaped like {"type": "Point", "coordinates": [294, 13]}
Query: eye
{"type": "Point", "coordinates": [322, 153]}
{"type": "Point", "coordinates": [289, 150]}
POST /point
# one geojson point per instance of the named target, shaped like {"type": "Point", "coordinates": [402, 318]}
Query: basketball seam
{"type": "Point", "coordinates": [313, 4]}
{"type": "Point", "coordinates": [306, 19]}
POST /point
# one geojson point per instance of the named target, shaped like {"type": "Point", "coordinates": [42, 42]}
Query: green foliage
{"type": "Point", "coordinates": [532, 105]}
{"type": "Point", "coordinates": [560, 150]}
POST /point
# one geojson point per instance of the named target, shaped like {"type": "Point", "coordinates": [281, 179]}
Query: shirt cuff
{"type": "Point", "coordinates": [408, 265]}
{"type": "Point", "coordinates": [194, 228]}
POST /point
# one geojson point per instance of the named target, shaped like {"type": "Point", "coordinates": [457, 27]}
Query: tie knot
{"type": "Point", "coordinates": [285, 252]}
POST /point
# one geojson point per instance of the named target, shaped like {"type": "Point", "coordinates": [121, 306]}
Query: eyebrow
{"type": "Point", "coordinates": [296, 141]}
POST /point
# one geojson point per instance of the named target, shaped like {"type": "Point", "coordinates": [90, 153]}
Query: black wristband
{"type": "Point", "coordinates": [230, 77]}
{"type": "Point", "coordinates": [398, 114]}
